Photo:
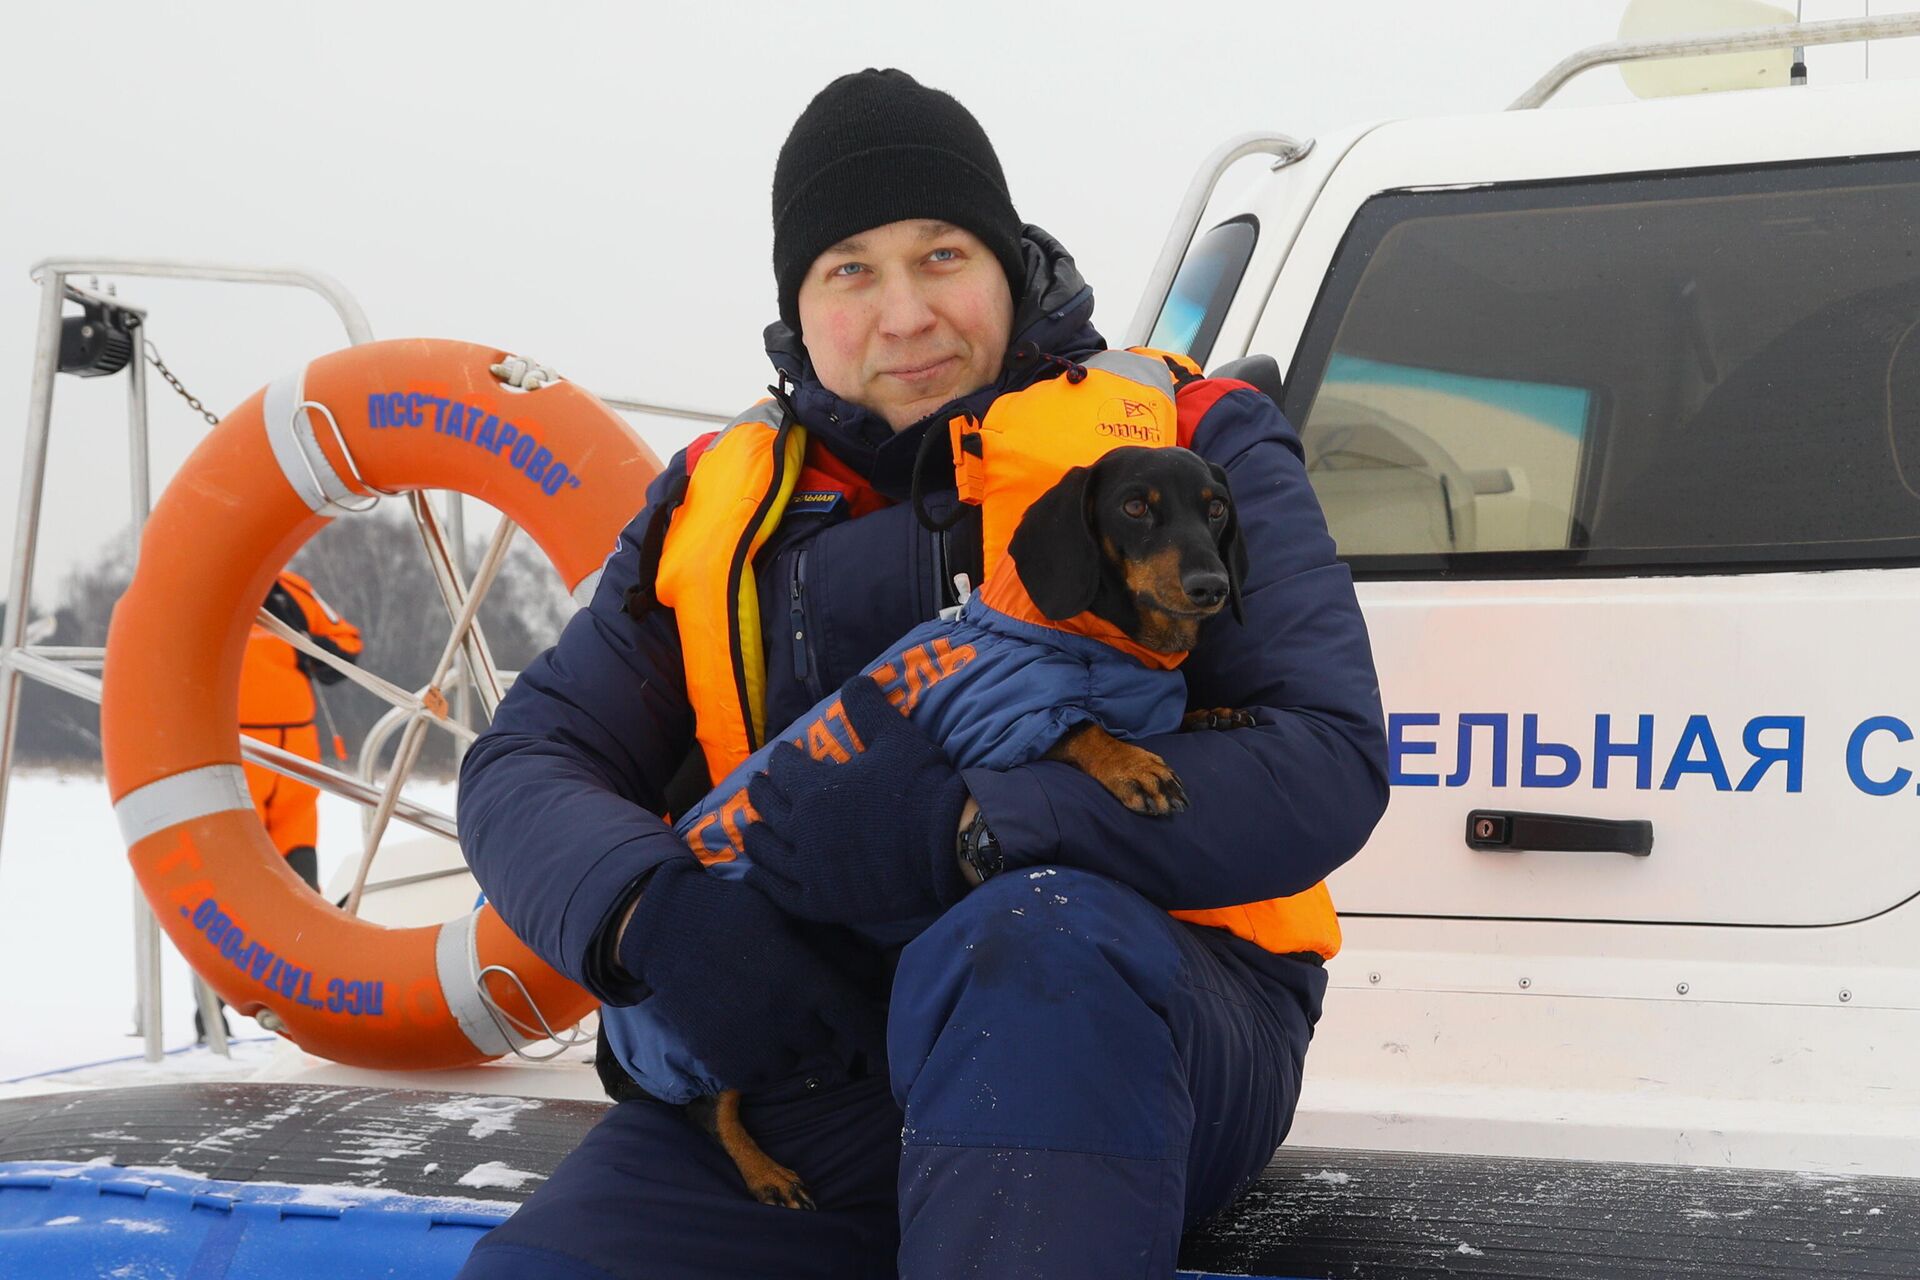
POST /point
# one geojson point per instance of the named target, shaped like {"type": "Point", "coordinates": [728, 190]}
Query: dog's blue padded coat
{"type": "Point", "coordinates": [1024, 687]}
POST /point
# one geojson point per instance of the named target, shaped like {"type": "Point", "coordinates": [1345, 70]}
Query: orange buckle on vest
{"type": "Point", "coordinates": [969, 459]}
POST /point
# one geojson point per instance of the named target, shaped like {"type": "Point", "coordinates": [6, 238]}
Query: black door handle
{"type": "Point", "coordinates": [1557, 833]}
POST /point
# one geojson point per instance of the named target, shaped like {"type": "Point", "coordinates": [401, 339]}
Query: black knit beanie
{"type": "Point", "coordinates": [876, 147]}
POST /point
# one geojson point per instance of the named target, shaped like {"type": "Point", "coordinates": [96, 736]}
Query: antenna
{"type": "Point", "coordinates": [1798, 73]}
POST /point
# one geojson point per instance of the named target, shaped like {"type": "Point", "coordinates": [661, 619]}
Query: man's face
{"type": "Point", "coordinates": [905, 317]}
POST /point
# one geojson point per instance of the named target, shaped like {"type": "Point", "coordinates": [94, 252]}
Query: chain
{"type": "Point", "coordinates": [193, 401]}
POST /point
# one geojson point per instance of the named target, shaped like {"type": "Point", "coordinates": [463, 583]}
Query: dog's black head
{"type": "Point", "coordinates": [1144, 538]}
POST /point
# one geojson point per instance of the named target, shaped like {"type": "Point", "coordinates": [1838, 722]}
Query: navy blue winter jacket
{"type": "Point", "coordinates": [559, 798]}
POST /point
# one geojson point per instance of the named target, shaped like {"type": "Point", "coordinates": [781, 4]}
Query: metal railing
{"type": "Point", "coordinates": [65, 667]}
{"type": "Point", "coordinates": [660, 410]}
{"type": "Point", "coordinates": [1797, 35]}
{"type": "Point", "coordinates": [1286, 150]}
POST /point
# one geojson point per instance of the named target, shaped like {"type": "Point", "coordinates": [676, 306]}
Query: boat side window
{"type": "Point", "coordinates": [1692, 372]}
{"type": "Point", "coordinates": [1203, 289]}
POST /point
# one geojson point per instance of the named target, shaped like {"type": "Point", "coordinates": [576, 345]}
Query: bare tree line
{"type": "Point", "coordinates": [372, 570]}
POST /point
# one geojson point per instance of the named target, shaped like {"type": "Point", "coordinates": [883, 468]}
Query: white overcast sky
{"type": "Point", "coordinates": [588, 183]}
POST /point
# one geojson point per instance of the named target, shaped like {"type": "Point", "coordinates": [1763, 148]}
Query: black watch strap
{"type": "Point", "coordinates": [980, 848]}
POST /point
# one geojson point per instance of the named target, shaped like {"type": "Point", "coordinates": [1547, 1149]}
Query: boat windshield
{"type": "Point", "coordinates": [1204, 289]}
{"type": "Point", "coordinates": [1677, 372]}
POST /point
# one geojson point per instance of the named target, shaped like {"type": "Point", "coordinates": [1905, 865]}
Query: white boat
{"type": "Point", "coordinates": [1615, 415]}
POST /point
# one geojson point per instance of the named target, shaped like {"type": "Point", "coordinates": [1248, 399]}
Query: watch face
{"type": "Point", "coordinates": [983, 848]}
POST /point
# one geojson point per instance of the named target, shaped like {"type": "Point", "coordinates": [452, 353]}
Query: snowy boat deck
{"type": "Point", "coordinates": [1314, 1212]}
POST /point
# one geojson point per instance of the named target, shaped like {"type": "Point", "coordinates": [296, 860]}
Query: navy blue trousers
{"type": "Point", "coordinates": [1076, 1077]}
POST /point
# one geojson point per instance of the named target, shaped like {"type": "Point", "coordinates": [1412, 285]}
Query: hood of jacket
{"type": "Point", "coordinates": [1053, 315]}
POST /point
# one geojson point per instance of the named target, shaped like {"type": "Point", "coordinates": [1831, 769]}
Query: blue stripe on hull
{"type": "Point", "coordinates": [62, 1220]}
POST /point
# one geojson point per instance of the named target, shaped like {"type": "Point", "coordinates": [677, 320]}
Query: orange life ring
{"type": "Point", "coordinates": [409, 414]}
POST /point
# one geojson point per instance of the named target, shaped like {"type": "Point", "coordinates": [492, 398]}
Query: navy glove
{"type": "Point", "coordinates": [865, 841]}
{"type": "Point", "coordinates": [752, 994]}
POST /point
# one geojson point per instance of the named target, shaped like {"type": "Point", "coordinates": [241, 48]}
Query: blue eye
{"type": "Point", "coordinates": [846, 269]}
{"type": "Point", "coordinates": [953, 255]}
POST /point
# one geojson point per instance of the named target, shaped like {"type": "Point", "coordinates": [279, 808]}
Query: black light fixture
{"type": "Point", "coordinates": [99, 341]}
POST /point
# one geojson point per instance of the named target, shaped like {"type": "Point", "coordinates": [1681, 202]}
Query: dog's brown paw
{"type": "Point", "coordinates": [1217, 718]}
{"type": "Point", "coordinates": [781, 1187]}
{"type": "Point", "coordinates": [1142, 781]}
{"type": "Point", "coordinates": [1134, 776]}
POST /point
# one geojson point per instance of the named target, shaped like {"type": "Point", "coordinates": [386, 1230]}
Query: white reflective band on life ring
{"type": "Point", "coordinates": [295, 448]}
{"type": "Point", "coordinates": [456, 958]}
{"type": "Point", "coordinates": [181, 798]}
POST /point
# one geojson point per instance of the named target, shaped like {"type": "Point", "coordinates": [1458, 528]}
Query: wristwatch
{"type": "Point", "coordinates": [980, 848]}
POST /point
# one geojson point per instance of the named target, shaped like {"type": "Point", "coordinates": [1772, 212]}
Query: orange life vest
{"type": "Point", "coordinates": [739, 486]}
{"type": "Point", "coordinates": [275, 693]}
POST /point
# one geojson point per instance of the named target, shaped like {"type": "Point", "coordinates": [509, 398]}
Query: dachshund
{"type": "Point", "coordinates": [1145, 540]}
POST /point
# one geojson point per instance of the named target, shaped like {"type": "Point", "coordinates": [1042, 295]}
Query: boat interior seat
{"type": "Point", "coordinates": [1387, 488]}
{"type": "Point", "coordinates": [1260, 370]}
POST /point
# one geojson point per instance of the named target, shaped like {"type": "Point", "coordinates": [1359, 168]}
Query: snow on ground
{"type": "Point", "coordinates": [66, 928]}
{"type": "Point", "coordinates": [495, 1174]}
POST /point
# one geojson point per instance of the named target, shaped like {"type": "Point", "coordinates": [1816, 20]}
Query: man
{"type": "Point", "coordinates": [1071, 1075]}
{"type": "Point", "coordinates": [278, 705]}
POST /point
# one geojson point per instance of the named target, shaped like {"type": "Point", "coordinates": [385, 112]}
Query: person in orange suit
{"type": "Point", "coordinates": [278, 704]}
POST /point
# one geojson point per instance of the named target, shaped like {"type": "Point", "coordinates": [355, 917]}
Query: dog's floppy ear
{"type": "Point", "coordinates": [1054, 549]}
{"type": "Point", "coordinates": [1233, 548]}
